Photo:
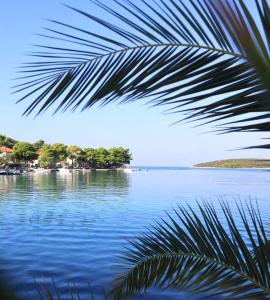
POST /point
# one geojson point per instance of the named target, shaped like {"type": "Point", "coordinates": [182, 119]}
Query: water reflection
{"type": "Point", "coordinates": [112, 182]}
{"type": "Point", "coordinates": [72, 227]}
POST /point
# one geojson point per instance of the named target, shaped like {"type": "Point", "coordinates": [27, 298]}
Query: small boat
{"type": "Point", "coordinates": [10, 173]}
{"type": "Point", "coordinates": [16, 172]}
{"type": "Point", "coordinates": [64, 171]}
{"type": "Point", "coordinates": [4, 173]}
{"type": "Point", "coordinates": [41, 171]}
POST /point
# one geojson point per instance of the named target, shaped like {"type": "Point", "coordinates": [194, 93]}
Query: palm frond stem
{"type": "Point", "coordinates": [184, 45]}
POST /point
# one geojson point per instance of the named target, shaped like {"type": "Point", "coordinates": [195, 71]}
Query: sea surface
{"type": "Point", "coordinates": [72, 228]}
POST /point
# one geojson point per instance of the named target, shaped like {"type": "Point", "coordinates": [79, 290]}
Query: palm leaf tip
{"type": "Point", "coordinates": [196, 253]}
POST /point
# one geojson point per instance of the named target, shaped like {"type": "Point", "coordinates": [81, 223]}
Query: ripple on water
{"type": "Point", "coordinates": [73, 228]}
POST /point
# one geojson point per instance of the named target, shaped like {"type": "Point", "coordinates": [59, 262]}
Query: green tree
{"type": "Point", "coordinates": [59, 152]}
{"type": "Point", "coordinates": [24, 151]}
{"type": "Point", "coordinates": [118, 156]}
{"type": "Point", "coordinates": [47, 157]}
{"type": "Point", "coordinates": [102, 158]}
{"type": "Point", "coordinates": [91, 157]}
{"type": "Point", "coordinates": [73, 152]}
{"type": "Point", "coordinates": [38, 144]}
{"type": "Point", "coordinates": [81, 158]}
{"type": "Point", "coordinates": [7, 141]}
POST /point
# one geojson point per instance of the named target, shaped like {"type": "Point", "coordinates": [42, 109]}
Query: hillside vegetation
{"type": "Point", "coordinates": [236, 163]}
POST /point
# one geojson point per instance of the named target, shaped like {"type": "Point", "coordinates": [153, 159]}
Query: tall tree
{"type": "Point", "coordinates": [81, 158]}
{"type": "Point", "coordinates": [24, 151]}
{"type": "Point", "coordinates": [60, 152]}
{"type": "Point", "coordinates": [7, 141]}
{"type": "Point", "coordinates": [47, 157]}
{"type": "Point", "coordinates": [119, 156]}
{"type": "Point", "coordinates": [102, 158]}
{"type": "Point", "coordinates": [91, 157]}
{"type": "Point", "coordinates": [73, 152]}
{"type": "Point", "coordinates": [38, 144]}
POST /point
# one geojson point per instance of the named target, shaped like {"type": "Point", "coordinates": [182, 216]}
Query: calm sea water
{"type": "Point", "coordinates": [73, 227]}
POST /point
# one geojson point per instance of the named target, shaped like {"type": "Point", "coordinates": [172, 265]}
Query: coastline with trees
{"type": "Point", "coordinates": [244, 163]}
{"type": "Point", "coordinates": [18, 154]}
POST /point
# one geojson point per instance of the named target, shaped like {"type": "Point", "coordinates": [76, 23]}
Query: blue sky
{"type": "Point", "coordinates": [145, 131]}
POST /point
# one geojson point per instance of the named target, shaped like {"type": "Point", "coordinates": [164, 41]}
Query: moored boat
{"type": "Point", "coordinates": [10, 172]}
{"type": "Point", "coordinates": [64, 171]}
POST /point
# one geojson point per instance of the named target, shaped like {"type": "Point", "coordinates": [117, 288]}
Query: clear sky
{"type": "Point", "coordinates": [144, 130]}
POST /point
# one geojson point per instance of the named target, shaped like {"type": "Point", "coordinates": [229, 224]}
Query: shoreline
{"type": "Point", "coordinates": [236, 163]}
{"type": "Point", "coordinates": [29, 171]}
{"type": "Point", "coordinates": [237, 168]}
{"type": "Point", "coordinates": [63, 171]}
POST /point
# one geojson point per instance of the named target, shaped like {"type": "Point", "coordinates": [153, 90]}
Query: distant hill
{"type": "Point", "coordinates": [236, 163]}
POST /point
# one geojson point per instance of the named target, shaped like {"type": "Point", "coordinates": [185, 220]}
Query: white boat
{"type": "Point", "coordinates": [64, 171]}
{"type": "Point", "coordinates": [41, 171]}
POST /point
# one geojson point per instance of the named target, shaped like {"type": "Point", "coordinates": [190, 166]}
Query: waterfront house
{"type": "Point", "coordinates": [36, 161]}
{"type": "Point", "coordinates": [5, 151]}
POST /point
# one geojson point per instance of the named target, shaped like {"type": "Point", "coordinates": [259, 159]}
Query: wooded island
{"type": "Point", "coordinates": [236, 163]}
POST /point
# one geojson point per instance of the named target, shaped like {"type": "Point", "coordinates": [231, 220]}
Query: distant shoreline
{"type": "Point", "coordinates": [233, 168]}
{"type": "Point", "coordinates": [249, 164]}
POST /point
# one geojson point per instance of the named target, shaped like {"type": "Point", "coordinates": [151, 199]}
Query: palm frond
{"type": "Point", "coordinates": [208, 59]}
{"type": "Point", "coordinates": [195, 253]}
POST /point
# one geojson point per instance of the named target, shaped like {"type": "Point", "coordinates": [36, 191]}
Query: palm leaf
{"type": "Point", "coordinates": [207, 59]}
{"type": "Point", "coordinates": [200, 256]}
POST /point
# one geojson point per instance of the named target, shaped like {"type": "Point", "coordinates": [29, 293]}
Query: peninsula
{"type": "Point", "coordinates": [249, 163]}
{"type": "Point", "coordinates": [18, 154]}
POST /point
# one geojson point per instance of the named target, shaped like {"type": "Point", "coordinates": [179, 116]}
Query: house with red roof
{"type": "Point", "coordinates": [5, 151]}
